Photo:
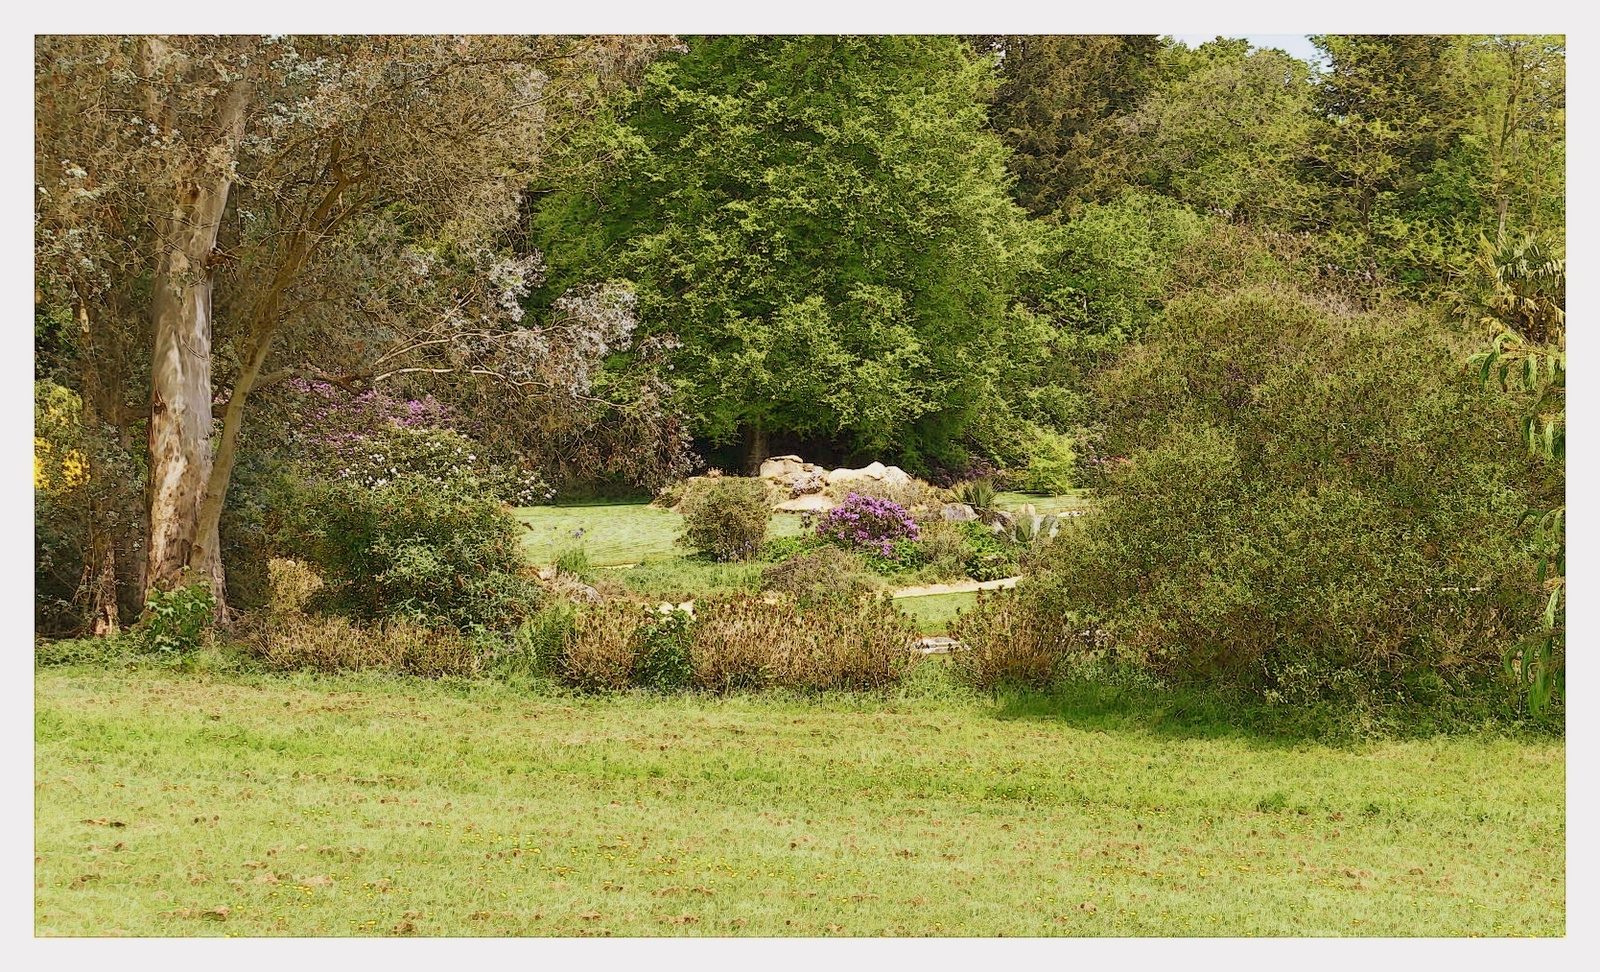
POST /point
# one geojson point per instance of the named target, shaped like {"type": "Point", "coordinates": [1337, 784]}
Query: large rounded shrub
{"type": "Point", "coordinates": [1313, 503]}
{"type": "Point", "coordinates": [726, 519]}
{"type": "Point", "coordinates": [417, 549]}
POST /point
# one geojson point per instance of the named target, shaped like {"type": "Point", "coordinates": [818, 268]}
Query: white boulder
{"type": "Point", "coordinates": [813, 502]}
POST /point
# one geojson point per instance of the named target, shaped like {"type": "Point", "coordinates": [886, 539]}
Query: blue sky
{"type": "Point", "coordinates": [1295, 44]}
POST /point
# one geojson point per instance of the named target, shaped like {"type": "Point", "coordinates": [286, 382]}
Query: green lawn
{"type": "Point", "coordinates": [615, 533]}
{"type": "Point", "coordinates": [1078, 499]}
{"type": "Point", "coordinates": [636, 533]}
{"type": "Point", "coordinates": [210, 804]}
{"type": "Point", "coordinates": [934, 612]}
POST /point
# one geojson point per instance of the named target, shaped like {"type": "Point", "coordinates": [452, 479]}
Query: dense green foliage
{"type": "Point", "coordinates": [1300, 324]}
{"type": "Point", "coordinates": [1314, 503]}
{"type": "Point", "coordinates": [1058, 103]}
{"type": "Point", "coordinates": [823, 222]}
{"type": "Point", "coordinates": [727, 519]}
{"type": "Point", "coordinates": [427, 552]}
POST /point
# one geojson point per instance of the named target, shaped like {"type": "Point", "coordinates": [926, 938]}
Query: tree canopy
{"type": "Point", "coordinates": [824, 224]}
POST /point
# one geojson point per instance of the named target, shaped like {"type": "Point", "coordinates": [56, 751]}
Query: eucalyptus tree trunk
{"type": "Point", "coordinates": [180, 367]}
{"type": "Point", "coordinates": [99, 584]}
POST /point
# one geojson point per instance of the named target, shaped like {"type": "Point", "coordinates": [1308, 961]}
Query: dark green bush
{"type": "Point", "coordinates": [1315, 505]}
{"type": "Point", "coordinates": [779, 549]}
{"type": "Point", "coordinates": [84, 651]}
{"type": "Point", "coordinates": [987, 555]}
{"type": "Point", "coordinates": [431, 553]}
{"type": "Point", "coordinates": [727, 519]}
{"type": "Point", "coordinates": [663, 661]}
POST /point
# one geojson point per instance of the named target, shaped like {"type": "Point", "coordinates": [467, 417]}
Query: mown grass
{"type": "Point", "coordinates": [1077, 499]}
{"type": "Point", "coordinates": [934, 612]}
{"type": "Point", "coordinates": [238, 803]}
{"type": "Point", "coordinates": [615, 533]}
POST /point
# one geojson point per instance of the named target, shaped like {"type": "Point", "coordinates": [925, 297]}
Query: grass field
{"type": "Point", "coordinates": [615, 533]}
{"type": "Point", "coordinates": [637, 533]}
{"type": "Point", "coordinates": [934, 612]}
{"type": "Point", "coordinates": [240, 804]}
{"type": "Point", "coordinates": [1077, 499]}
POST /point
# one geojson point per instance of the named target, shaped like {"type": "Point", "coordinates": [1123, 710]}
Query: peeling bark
{"type": "Point", "coordinates": [180, 368]}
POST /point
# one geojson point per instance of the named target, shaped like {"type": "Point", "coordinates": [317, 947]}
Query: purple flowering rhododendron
{"type": "Point", "coordinates": [868, 523]}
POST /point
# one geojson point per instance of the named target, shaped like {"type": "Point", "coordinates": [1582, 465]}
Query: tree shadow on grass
{"type": "Point", "coordinates": [1207, 712]}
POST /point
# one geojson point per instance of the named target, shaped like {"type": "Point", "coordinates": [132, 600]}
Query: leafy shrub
{"type": "Point", "coordinates": [987, 555]}
{"type": "Point", "coordinates": [782, 548]}
{"type": "Point", "coordinates": [1051, 461]}
{"type": "Point", "coordinates": [83, 651]}
{"type": "Point", "coordinates": [574, 562]}
{"type": "Point", "coordinates": [175, 621]}
{"type": "Point", "coordinates": [1011, 638]}
{"type": "Point", "coordinates": [944, 549]}
{"type": "Point", "coordinates": [726, 520]}
{"type": "Point", "coordinates": [438, 455]}
{"type": "Point", "coordinates": [822, 574]}
{"type": "Point", "coordinates": [663, 662]}
{"type": "Point", "coordinates": [372, 439]}
{"type": "Point", "coordinates": [434, 554]}
{"type": "Point", "coordinates": [536, 646]}
{"type": "Point", "coordinates": [1317, 506]}
{"type": "Point", "coordinates": [866, 523]}
{"type": "Point", "coordinates": [903, 555]}
{"type": "Point", "coordinates": [334, 644]}
{"type": "Point", "coordinates": [670, 495]}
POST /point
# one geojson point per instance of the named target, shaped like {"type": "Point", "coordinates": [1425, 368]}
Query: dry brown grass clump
{"type": "Point", "coordinates": [747, 643]}
{"type": "Point", "coordinates": [290, 585]}
{"type": "Point", "coordinates": [826, 573]}
{"type": "Point", "coordinates": [334, 644]}
{"type": "Point", "coordinates": [1007, 641]}
{"type": "Point", "coordinates": [603, 651]}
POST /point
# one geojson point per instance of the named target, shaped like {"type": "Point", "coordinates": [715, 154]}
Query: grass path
{"type": "Point", "coordinates": [171, 804]}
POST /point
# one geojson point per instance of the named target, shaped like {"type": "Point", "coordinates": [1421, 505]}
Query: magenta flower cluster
{"type": "Point", "coordinates": [868, 523]}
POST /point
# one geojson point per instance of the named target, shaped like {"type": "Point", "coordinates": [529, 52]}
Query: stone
{"type": "Point", "coordinates": [937, 645]}
{"type": "Point", "coordinates": [895, 476]}
{"type": "Point", "coordinates": [958, 513]}
{"type": "Point", "coordinates": [780, 466]}
{"type": "Point", "coordinates": [813, 502]}
{"type": "Point", "coordinates": [873, 470]}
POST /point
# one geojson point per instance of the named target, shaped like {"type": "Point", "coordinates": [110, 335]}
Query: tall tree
{"type": "Point", "coordinates": [252, 168]}
{"type": "Point", "coordinates": [1057, 106]}
{"type": "Point", "coordinates": [823, 222]}
{"type": "Point", "coordinates": [1229, 131]}
{"type": "Point", "coordinates": [1431, 142]}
